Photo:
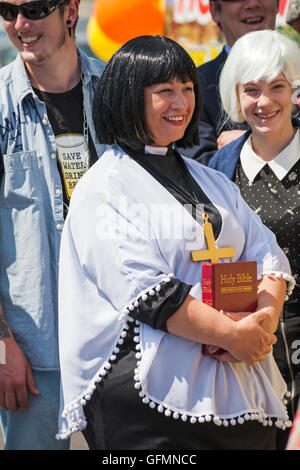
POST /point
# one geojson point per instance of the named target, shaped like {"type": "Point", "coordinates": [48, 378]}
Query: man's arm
{"type": "Point", "coordinates": [16, 377]}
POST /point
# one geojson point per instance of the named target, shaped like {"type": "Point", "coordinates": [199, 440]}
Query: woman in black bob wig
{"type": "Point", "coordinates": [118, 109]}
{"type": "Point", "coordinates": [132, 323]}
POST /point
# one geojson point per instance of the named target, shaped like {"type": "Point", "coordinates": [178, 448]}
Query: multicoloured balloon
{"type": "Point", "coordinates": [116, 21]}
{"type": "Point", "coordinates": [189, 22]}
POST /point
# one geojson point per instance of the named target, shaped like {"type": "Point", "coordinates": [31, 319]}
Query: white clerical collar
{"type": "Point", "coordinates": [281, 165]}
{"type": "Point", "coordinates": [156, 150]}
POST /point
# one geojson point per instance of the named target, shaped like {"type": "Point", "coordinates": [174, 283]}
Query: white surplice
{"type": "Point", "coordinates": [125, 234]}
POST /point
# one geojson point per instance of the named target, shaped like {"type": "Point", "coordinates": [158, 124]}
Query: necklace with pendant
{"type": "Point", "coordinates": [86, 138]}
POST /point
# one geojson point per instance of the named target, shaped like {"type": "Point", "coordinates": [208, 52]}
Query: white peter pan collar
{"type": "Point", "coordinates": [281, 165]}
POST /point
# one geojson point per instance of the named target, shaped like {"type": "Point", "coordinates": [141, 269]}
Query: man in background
{"type": "Point", "coordinates": [47, 143]}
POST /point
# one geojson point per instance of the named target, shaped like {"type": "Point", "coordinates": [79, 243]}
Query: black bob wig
{"type": "Point", "coordinates": [118, 106]}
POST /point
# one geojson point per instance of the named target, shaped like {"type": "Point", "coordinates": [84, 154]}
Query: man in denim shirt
{"type": "Point", "coordinates": [47, 142]}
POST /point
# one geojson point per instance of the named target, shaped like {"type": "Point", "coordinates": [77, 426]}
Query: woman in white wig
{"type": "Point", "coordinates": [260, 84]}
{"type": "Point", "coordinates": [131, 319]}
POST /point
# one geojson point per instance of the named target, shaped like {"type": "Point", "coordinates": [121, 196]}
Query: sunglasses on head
{"type": "Point", "coordinates": [35, 10]}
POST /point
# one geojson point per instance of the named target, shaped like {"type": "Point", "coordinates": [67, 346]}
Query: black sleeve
{"type": "Point", "coordinates": [158, 305]}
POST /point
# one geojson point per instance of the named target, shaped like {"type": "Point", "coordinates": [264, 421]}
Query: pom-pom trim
{"type": "Point", "coordinates": [125, 315]}
{"type": "Point", "coordinates": [74, 412]}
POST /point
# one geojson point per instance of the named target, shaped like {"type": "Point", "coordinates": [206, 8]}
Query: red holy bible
{"type": "Point", "coordinates": [231, 287]}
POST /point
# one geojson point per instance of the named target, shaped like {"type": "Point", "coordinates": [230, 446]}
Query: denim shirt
{"type": "Point", "coordinates": [31, 210]}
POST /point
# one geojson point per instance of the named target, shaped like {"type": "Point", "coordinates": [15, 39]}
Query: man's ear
{"type": "Point", "coordinates": [72, 11]}
{"type": "Point", "coordinates": [215, 7]}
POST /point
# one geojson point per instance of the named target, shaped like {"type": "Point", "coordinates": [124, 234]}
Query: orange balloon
{"type": "Point", "coordinates": [122, 20]}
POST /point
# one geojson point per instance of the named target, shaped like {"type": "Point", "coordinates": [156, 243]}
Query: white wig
{"type": "Point", "coordinates": [259, 55]}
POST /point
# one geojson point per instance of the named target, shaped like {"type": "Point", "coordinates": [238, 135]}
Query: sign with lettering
{"type": "Point", "coordinates": [189, 22]}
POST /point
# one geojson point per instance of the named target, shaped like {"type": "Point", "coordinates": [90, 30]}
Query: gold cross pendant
{"type": "Point", "coordinates": [212, 253]}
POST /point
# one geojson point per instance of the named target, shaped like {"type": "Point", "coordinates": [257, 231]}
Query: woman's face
{"type": "Point", "coordinates": [169, 109]}
{"type": "Point", "coordinates": [267, 107]}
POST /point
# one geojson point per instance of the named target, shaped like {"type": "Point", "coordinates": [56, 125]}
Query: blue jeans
{"type": "Point", "coordinates": [35, 428]}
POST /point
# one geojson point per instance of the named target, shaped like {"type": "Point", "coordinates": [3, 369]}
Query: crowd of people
{"type": "Point", "coordinates": [110, 177]}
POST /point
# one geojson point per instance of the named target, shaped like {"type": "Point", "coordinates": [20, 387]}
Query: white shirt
{"type": "Point", "coordinates": [280, 165]}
